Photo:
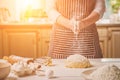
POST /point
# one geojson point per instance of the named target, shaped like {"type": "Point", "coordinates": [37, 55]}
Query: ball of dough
{"type": "Point", "coordinates": [77, 61]}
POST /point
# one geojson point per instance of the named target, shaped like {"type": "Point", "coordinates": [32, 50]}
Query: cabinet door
{"type": "Point", "coordinates": [114, 42]}
{"type": "Point", "coordinates": [45, 46]}
{"type": "Point", "coordinates": [102, 31]}
{"type": "Point", "coordinates": [20, 42]}
{"type": "Point", "coordinates": [45, 39]}
{"type": "Point", "coordinates": [1, 49]}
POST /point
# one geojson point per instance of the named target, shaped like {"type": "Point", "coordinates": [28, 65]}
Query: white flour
{"type": "Point", "coordinates": [107, 72]}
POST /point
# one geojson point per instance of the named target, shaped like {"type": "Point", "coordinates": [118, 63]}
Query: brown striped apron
{"type": "Point", "coordinates": [63, 39]}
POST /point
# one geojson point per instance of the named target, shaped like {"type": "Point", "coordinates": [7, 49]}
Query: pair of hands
{"type": "Point", "coordinates": [76, 25]}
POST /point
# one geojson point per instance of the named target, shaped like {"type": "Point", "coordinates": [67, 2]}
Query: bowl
{"type": "Point", "coordinates": [4, 69]}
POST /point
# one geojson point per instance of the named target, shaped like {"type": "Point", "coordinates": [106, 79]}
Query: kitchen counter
{"type": "Point", "coordinates": [25, 25]}
{"type": "Point", "coordinates": [5, 24]}
{"type": "Point", "coordinates": [63, 73]}
{"type": "Point", "coordinates": [41, 23]}
{"type": "Point", "coordinates": [108, 24]}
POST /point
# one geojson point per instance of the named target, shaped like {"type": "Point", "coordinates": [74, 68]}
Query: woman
{"type": "Point", "coordinates": [74, 30]}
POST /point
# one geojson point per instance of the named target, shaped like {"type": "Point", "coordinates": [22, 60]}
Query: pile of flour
{"type": "Point", "coordinates": [107, 72]}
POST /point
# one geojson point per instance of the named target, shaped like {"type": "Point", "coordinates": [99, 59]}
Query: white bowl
{"type": "Point", "coordinates": [4, 69]}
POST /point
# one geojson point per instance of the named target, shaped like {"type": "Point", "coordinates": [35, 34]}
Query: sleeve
{"type": "Point", "coordinates": [51, 11]}
{"type": "Point", "coordinates": [100, 7]}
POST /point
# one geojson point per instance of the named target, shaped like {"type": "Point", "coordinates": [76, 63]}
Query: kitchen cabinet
{"type": "Point", "coordinates": [25, 40]}
{"type": "Point", "coordinates": [21, 42]}
{"type": "Point", "coordinates": [45, 41]}
{"type": "Point", "coordinates": [33, 40]}
{"type": "Point", "coordinates": [102, 32]}
{"type": "Point", "coordinates": [1, 49]}
{"type": "Point", "coordinates": [114, 42]}
{"type": "Point", "coordinates": [110, 39]}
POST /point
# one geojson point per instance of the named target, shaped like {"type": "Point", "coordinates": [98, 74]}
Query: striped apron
{"type": "Point", "coordinates": [63, 41]}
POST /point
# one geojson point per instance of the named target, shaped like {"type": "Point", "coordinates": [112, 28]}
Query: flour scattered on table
{"type": "Point", "coordinates": [107, 72]}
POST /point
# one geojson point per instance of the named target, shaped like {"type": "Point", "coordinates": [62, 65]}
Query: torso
{"type": "Point", "coordinates": [81, 7]}
{"type": "Point", "coordinates": [62, 38]}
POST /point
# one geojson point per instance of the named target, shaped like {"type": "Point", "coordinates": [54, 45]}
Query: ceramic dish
{"type": "Point", "coordinates": [86, 73]}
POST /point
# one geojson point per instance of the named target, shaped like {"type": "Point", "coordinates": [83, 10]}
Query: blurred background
{"type": "Point", "coordinates": [22, 10]}
{"type": "Point", "coordinates": [35, 28]}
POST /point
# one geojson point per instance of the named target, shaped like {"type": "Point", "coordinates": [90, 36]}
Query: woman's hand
{"type": "Point", "coordinates": [77, 26]}
{"type": "Point", "coordinates": [81, 25]}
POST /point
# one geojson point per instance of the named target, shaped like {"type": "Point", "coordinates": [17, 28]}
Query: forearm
{"type": "Point", "coordinates": [92, 18]}
{"type": "Point", "coordinates": [55, 16]}
{"type": "Point", "coordinates": [95, 15]}
{"type": "Point", "coordinates": [64, 22]}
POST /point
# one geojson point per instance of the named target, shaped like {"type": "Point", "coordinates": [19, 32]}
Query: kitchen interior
{"type": "Point", "coordinates": [25, 30]}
